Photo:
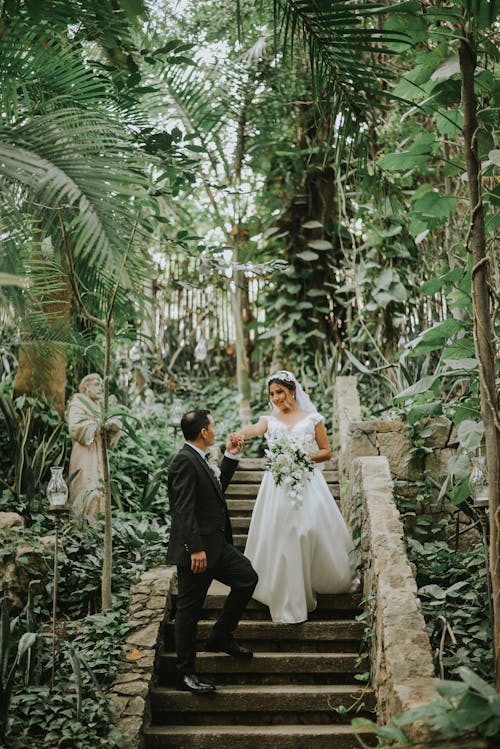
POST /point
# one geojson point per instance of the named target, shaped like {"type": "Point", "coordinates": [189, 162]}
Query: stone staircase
{"type": "Point", "coordinates": [287, 695]}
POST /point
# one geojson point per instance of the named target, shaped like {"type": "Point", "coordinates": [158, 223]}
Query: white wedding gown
{"type": "Point", "coordinates": [298, 552]}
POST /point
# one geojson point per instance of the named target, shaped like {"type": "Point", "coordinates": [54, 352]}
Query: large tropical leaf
{"type": "Point", "coordinates": [344, 42]}
{"type": "Point", "coordinates": [80, 163]}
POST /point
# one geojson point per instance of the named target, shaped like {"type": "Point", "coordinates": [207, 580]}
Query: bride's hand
{"type": "Point", "coordinates": [235, 443]}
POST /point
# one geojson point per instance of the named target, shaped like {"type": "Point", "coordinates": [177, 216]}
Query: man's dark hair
{"type": "Point", "coordinates": [193, 422]}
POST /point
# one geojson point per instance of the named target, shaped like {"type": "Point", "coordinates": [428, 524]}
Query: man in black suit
{"type": "Point", "coordinates": [201, 547]}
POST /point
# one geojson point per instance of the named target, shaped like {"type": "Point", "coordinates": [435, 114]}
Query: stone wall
{"type": "Point", "coordinates": [149, 605]}
{"type": "Point", "coordinates": [402, 665]}
{"type": "Point", "coordinates": [375, 437]}
{"type": "Point", "coordinates": [391, 438]}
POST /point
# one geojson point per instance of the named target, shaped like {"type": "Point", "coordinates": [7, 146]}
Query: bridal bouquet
{"type": "Point", "coordinates": [287, 458]}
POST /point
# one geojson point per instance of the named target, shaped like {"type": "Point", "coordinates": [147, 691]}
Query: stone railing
{"type": "Point", "coordinates": [402, 664]}
{"type": "Point", "coordinates": [149, 606]}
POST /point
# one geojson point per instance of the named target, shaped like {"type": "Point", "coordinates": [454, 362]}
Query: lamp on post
{"type": "Point", "coordinates": [57, 495]}
{"type": "Point", "coordinates": [478, 484]}
{"type": "Point", "coordinates": [175, 416]}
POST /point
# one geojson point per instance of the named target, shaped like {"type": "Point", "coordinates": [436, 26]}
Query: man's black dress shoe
{"type": "Point", "coordinates": [191, 683]}
{"type": "Point", "coordinates": [230, 646]}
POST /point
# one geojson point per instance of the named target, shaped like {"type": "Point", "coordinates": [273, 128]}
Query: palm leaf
{"type": "Point", "coordinates": [58, 159]}
{"type": "Point", "coordinates": [343, 45]}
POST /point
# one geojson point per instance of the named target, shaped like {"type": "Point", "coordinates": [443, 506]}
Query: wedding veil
{"type": "Point", "coordinates": [302, 399]}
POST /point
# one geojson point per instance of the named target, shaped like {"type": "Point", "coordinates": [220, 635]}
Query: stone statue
{"type": "Point", "coordinates": [86, 493]}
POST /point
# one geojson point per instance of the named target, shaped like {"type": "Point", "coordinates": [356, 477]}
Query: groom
{"type": "Point", "coordinates": [201, 547]}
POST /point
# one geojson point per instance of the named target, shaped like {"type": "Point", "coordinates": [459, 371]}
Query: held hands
{"type": "Point", "coordinates": [235, 443]}
{"type": "Point", "coordinates": [198, 562]}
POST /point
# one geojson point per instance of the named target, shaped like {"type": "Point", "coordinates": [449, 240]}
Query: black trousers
{"type": "Point", "coordinates": [232, 569]}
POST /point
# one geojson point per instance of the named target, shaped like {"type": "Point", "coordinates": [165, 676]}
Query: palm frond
{"type": "Point", "coordinates": [81, 163]}
{"type": "Point", "coordinates": [343, 43]}
{"type": "Point", "coordinates": [35, 76]}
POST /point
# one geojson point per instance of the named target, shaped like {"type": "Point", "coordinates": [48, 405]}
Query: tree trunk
{"type": "Point", "coordinates": [42, 367]}
{"type": "Point", "coordinates": [107, 554]}
{"type": "Point", "coordinates": [242, 363]}
{"type": "Point", "coordinates": [483, 327]}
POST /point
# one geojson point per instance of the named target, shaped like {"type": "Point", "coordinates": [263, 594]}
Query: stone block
{"type": "Point", "coordinates": [144, 638]}
{"type": "Point", "coordinates": [396, 447]}
{"type": "Point", "coordinates": [436, 463]}
{"type": "Point", "coordinates": [132, 689]}
{"type": "Point", "coordinates": [362, 443]}
{"type": "Point", "coordinates": [11, 520]}
{"type": "Point", "coordinates": [135, 706]}
{"type": "Point", "coordinates": [440, 428]}
{"type": "Point", "coordinates": [131, 728]}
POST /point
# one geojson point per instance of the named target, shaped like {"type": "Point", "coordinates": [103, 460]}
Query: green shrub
{"type": "Point", "coordinates": [454, 593]}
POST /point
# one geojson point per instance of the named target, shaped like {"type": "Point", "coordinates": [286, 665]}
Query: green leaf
{"type": "Point", "coordinates": [435, 284]}
{"type": "Point", "coordinates": [450, 67]}
{"type": "Point", "coordinates": [458, 466]}
{"type": "Point", "coordinates": [450, 123]}
{"type": "Point", "coordinates": [472, 710]}
{"type": "Point", "coordinates": [423, 385]}
{"type": "Point", "coordinates": [470, 434]}
{"type": "Point", "coordinates": [461, 348]}
{"type": "Point", "coordinates": [494, 157]}
{"type": "Point", "coordinates": [435, 591]}
{"type": "Point", "coordinates": [312, 224]}
{"type": "Point", "coordinates": [320, 244]}
{"type": "Point", "coordinates": [307, 255]}
{"type": "Point", "coordinates": [133, 7]}
{"type": "Point", "coordinates": [432, 203]}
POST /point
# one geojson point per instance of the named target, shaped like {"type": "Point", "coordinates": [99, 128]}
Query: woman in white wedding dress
{"type": "Point", "coordinates": [298, 549]}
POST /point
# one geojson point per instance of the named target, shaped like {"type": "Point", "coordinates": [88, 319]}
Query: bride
{"type": "Point", "coordinates": [298, 541]}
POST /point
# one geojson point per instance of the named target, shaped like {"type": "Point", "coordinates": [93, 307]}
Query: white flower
{"type": "Point", "coordinates": [214, 468]}
{"type": "Point", "coordinates": [289, 463]}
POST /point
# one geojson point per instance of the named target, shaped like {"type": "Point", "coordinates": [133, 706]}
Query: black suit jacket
{"type": "Point", "coordinates": [200, 520]}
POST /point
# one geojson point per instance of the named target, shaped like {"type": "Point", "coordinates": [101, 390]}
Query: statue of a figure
{"type": "Point", "coordinates": [84, 421]}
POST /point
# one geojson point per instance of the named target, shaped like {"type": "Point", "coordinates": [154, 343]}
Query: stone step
{"type": "Point", "coordinates": [309, 637]}
{"type": "Point", "coordinates": [240, 506]}
{"type": "Point", "coordinates": [255, 477]}
{"type": "Point", "coordinates": [269, 668]}
{"type": "Point", "coordinates": [247, 477]}
{"type": "Point", "coordinates": [330, 606]}
{"type": "Point", "coordinates": [257, 464]}
{"type": "Point", "coordinates": [313, 631]}
{"type": "Point", "coordinates": [244, 508]}
{"type": "Point", "coordinates": [239, 540]}
{"type": "Point", "coordinates": [240, 523]}
{"type": "Point", "coordinates": [259, 704]}
{"type": "Point", "coordinates": [244, 491]}
{"type": "Point", "coordinates": [246, 737]}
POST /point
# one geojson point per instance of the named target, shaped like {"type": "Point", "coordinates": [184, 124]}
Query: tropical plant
{"type": "Point", "coordinates": [453, 588]}
{"type": "Point", "coordinates": [16, 653]}
{"type": "Point", "coordinates": [33, 442]}
{"type": "Point", "coordinates": [463, 711]}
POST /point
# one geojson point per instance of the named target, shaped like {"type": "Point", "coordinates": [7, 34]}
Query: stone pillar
{"type": "Point", "coordinates": [347, 408]}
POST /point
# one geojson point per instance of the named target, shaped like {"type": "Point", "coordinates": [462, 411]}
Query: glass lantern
{"type": "Point", "coordinates": [478, 483]}
{"type": "Point", "coordinates": [57, 490]}
{"type": "Point", "coordinates": [176, 410]}
{"type": "Point", "coordinates": [200, 352]}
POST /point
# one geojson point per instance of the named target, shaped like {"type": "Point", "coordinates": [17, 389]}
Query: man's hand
{"type": "Point", "coordinates": [234, 443]}
{"type": "Point", "coordinates": [198, 562]}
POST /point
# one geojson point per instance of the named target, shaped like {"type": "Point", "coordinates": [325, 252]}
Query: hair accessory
{"type": "Point", "coordinates": [301, 398]}
{"type": "Point", "coordinates": [284, 375]}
